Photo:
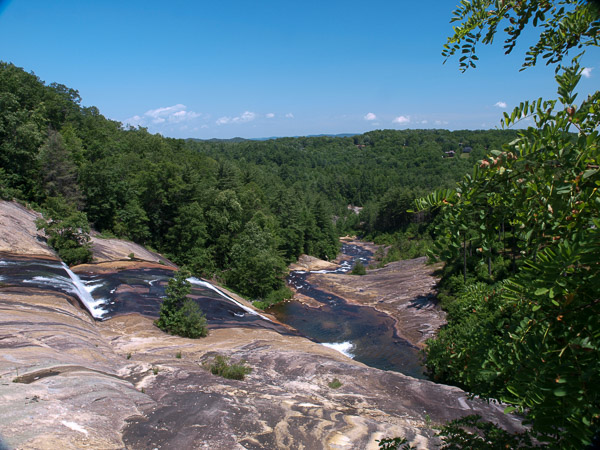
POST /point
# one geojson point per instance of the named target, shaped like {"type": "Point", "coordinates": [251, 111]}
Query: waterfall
{"type": "Point", "coordinates": [345, 347]}
{"type": "Point", "coordinates": [92, 305]}
{"type": "Point", "coordinates": [206, 284]}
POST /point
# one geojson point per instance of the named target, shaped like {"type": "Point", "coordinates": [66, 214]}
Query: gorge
{"type": "Point", "coordinates": [72, 381]}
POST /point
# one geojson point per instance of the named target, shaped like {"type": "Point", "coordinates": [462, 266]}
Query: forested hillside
{"type": "Point", "coordinates": [240, 211]}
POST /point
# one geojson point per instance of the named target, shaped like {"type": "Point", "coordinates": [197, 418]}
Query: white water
{"type": "Point", "coordinates": [59, 281]}
{"type": "Point", "coordinates": [342, 347]}
{"type": "Point", "coordinates": [206, 284]}
{"type": "Point", "coordinates": [344, 267]}
{"type": "Point", "coordinates": [93, 306]}
{"type": "Point", "coordinates": [92, 287]}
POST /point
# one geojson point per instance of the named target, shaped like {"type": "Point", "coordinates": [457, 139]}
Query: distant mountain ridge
{"type": "Point", "coordinates": [240, 139]}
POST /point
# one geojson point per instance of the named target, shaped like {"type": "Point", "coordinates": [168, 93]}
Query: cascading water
{"type": "Point", "coordinates": [92, 305]}
{"type": "Point", "coordinates": [48, 274]}
{"type": "Point", "coordinates": [206, 284]}
{"type": "Point", "coordinates": [138, 290]}
{"type": "Point", "coordinates": [342, 347]}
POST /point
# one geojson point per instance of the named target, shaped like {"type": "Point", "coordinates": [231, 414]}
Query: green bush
{"type": "Point", "coordinates": [67, 230]}
{"type": "Point", "coordinates": [274, 297]}
{"type": "Point", "coordinates": [335, 384]}
{"type": "Point", "coordinates": [396, 443]}
{"type": "Point", "coordinates": [411, 242]}
{"type": "Point", "coordinates": [358, 269]}
{"type": "Point", "coordinates": [180, 315]}
{"type": "Point", "coordinates": [220, 366]}
{"type": "Point", "coordinates": [188, 321]}
{"type": "Point", "coordinates": [469, 432]}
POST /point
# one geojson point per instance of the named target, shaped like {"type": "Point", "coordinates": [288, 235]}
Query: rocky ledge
{"type": "Point", "coordinates": [68, 381]}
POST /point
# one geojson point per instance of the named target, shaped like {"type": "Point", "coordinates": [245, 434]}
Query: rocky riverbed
{"type": "Point", "coordinates": [69, 381]}
{"type": "Point", "coordinates": [404, 290]}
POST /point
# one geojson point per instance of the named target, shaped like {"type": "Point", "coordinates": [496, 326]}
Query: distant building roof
{"type": "Point", "coordinates": [467, 149]}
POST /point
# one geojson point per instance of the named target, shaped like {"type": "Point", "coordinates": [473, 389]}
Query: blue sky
{"type": "Point", "coordinates": [269, 68]}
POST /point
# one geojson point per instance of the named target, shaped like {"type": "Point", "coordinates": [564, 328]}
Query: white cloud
{"type": "Point", "coordinates": [500, 104]}
{"type": "Point", "coordinates": [171, 114]}
{"type": "Point", "coordinates": [165, 111]}
{"type": "Point", "coordinates": [401, 119]}
{"type": "Point", "coordinates": [134, 121]}
{"type": "Point", "coordinates": [269, 115]}
{"type": "Point", "coordinates": [441, 122]}
{"type": "Point", "coordinates": [289, 116]}
{"type": "Point", "coordinates": [424, 122]}
{"type": "Point", "coordinates": [370, 116]}
{"type": "Point", "coordinates": [181, 116]}
{"type": "Point", "coordinates": [246, 116]}
{"type": "Point", "coordinates": [587, 72]}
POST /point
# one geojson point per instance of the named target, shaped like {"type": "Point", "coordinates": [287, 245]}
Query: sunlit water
{"type": "Point", "coordinates": [362, 333]}
{"type": "Point", "coordinates": [359, 332]}
{"type": "Point", "coordinates": [48, 275]}
{"type": "Point", "coordinates": [128, 291]}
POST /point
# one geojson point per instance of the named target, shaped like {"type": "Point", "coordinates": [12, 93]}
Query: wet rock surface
{"type": "Point", "coordinates": [125, 287]}
{"type": "Point", "coordinates": [69, 381]}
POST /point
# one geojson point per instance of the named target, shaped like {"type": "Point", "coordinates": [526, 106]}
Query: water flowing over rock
{"type": "Point", "coordinates": [345, 311]}
{"type": "Point", "coordinates": [69, 381]}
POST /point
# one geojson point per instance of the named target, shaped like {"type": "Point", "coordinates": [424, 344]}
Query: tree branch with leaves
{"type": "Point", "coordinates": [534, 339]}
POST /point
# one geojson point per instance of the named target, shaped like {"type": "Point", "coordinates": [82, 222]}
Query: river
{"type": "Point", "coordinates": [362, 333]}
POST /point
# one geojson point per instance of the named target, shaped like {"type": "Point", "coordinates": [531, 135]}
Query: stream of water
{"type": "Point", "coordinates": [360, 332]}
{"type": "Point", "coordinates": [138, 290]}
{"type": "Point", "coordinates": [48, 275]}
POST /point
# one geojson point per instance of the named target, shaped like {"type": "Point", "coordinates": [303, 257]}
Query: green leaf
{"type": "Point", "coordinates": [541, 291]}
{"type": "Point", "coordinates": [560, 392]}
{"type": "Point", "coordinates": [512, 390]}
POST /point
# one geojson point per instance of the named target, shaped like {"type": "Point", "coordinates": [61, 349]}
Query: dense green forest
{"type": "Point", "coordinates": [239, 210]}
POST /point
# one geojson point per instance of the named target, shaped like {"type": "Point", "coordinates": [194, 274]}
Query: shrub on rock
{"type": "Point", "coordinates": [180, 315]}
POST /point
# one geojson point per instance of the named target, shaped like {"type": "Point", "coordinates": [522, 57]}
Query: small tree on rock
{"type": "Point", "coordinates": [180, 315]}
